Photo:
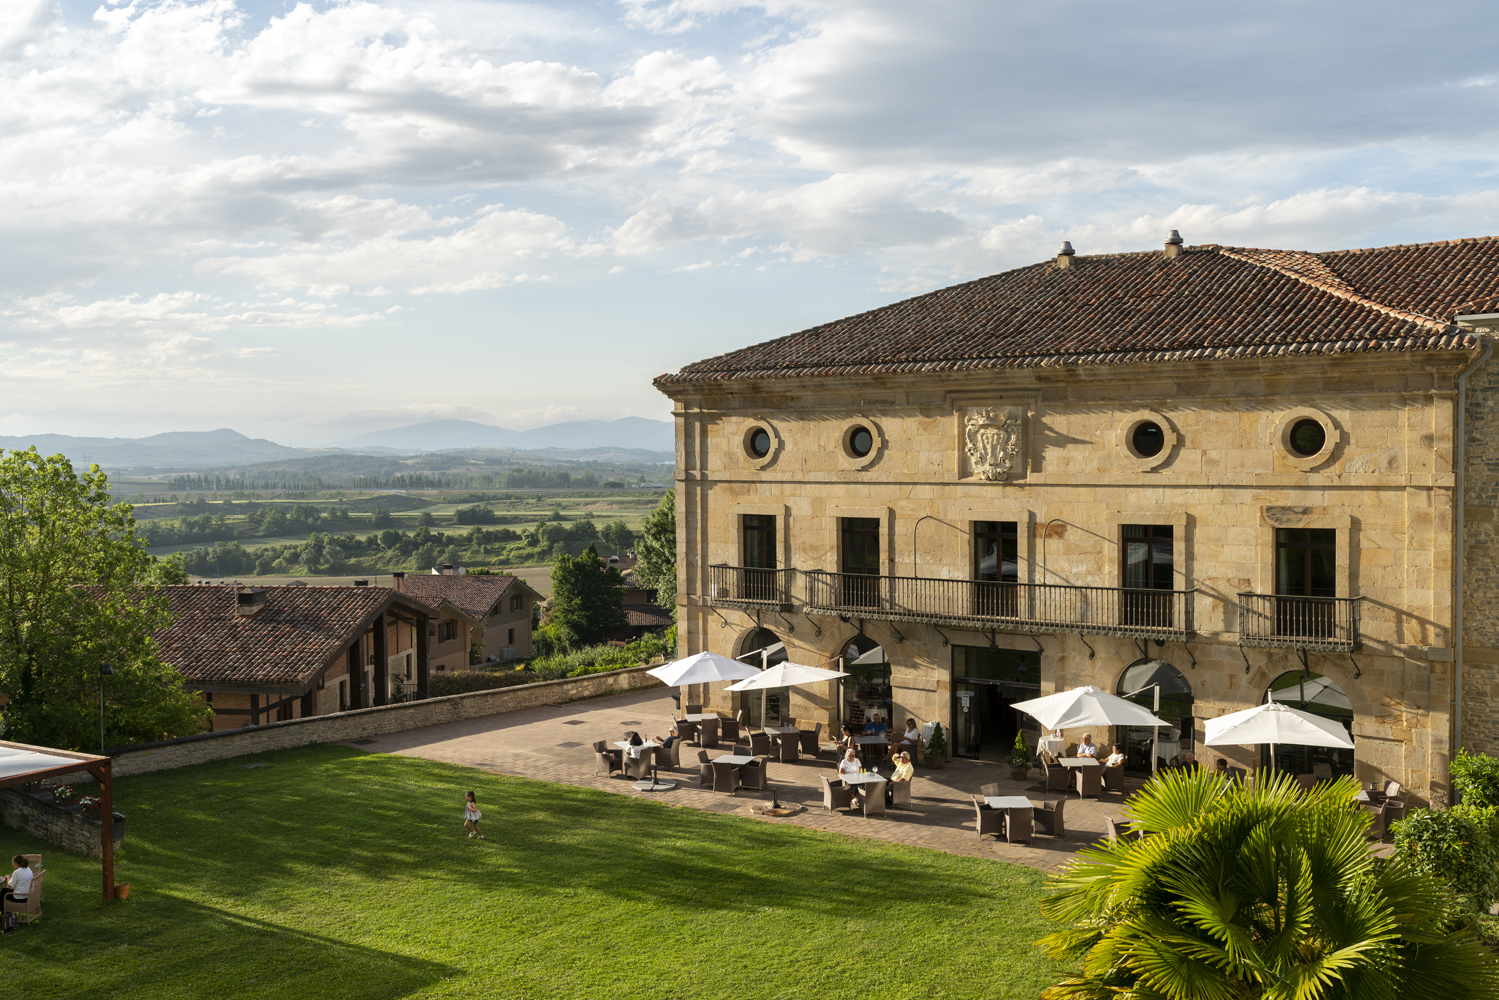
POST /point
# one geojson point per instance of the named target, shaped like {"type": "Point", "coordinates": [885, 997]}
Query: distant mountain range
{"type": "Point", "coordinates": [173, 450]}
{"type": "Point", "coordinates": [623, 440]}
{"type": "Point", "coordinates": [445, 435]}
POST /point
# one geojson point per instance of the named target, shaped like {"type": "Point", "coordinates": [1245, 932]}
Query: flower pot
{"type": "Point", "coordinates": [1019, 773]}
{"type": "Point", "coordinates": [932, 763]}
{"type": "Point", "coordinates": [122, 890]}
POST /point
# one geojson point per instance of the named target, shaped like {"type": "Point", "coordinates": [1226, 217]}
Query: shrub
{"type": "Point", "coordinates": [1020, 753]}
{"type": "Point", "coordinates": [1475, 776]}
{"type": "Point", "coordinates": [465, 681]}
{"type": "Point", "coordinates": [937, 745]}
{"type": "Point", "coordinates": [1460, 846]}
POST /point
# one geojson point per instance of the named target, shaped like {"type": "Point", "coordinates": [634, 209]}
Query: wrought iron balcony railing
{"type": "Point", "coordinates": [747, 587]}
{"type": "Point", "coordinates": [1330, 623]}
{"type": "Point", "coordinates": [1010, 607]}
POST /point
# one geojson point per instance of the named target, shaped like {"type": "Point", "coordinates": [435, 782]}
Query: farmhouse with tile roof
{"type": "Point", "coordinates": [500, 604]}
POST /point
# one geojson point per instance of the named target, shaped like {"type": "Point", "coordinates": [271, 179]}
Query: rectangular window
{"type": "Point", "coordinates": [1306, 575]}
{"type": "Point", "coordinates": [518, 602]}
{"type": "Point", "coordinates": [996, 562]}
{"type": "Point", "coordinates": [760, 541]}
{"type": "Point", "coordinates": [447, 631]}
{"type": "Point", "coordinates": [1147, 554]}
{"type": "Point", "coordinates": [861, 558]}
{"type": "Point", "coordinates": [1306, 563]}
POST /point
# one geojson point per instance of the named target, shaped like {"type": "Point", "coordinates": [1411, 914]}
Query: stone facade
{"type": "Point", "coordinates": [1050, 450]}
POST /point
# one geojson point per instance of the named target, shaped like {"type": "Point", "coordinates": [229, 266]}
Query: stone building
{"type": "Point", "coordinates": [500, 604]}
{"type": "Point", "coordinates": [1214, 474]}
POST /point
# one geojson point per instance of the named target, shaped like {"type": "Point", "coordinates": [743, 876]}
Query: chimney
{"type": "Point", "coordinates": [1174, 244]}
{"type": "Point", "coordinates": [1065, 255]}
{"type": "Point", "coordinates": [361, 583]}
{"type": "Point", "coordinates": [400, 579]}
{"type": "Point", "coordinates": [250, 602]}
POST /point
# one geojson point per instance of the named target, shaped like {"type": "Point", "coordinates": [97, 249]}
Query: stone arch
{"type": "Point", "coordinates": [1177, 700]}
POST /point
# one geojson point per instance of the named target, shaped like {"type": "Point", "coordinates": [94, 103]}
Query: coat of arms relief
{"type": "Point", "coordinates": [991, 437]}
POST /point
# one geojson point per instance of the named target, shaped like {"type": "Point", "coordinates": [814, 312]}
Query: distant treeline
{"type": "Point", "coordinates": [229, 484]}
{"type": "Point", "coordinates": [511, 479]}
{"type": "Point", "coordinates": [421, 549]}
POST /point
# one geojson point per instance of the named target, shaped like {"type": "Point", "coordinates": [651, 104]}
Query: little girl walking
{"type": "Point", "coordinates": [471, 817]}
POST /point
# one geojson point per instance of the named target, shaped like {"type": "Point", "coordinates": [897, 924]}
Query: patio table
{"type": "Point", "coordinates": [700, 716]}
{"type": "Point", "coordinates": [781, 730]}
{"type": "Point", "coordinates": [1008, 802]}
{"type": "Point", "coordinates": [1362, 796]}
{"type": "Point", "coordinates": [1051, 744]}
{"type": "Point", "coordinates": [1078, 762]}
{"type": "Point", "coordinates": [733, 758]}
{"type": "Point", "coordinates": [871, 788]}
{"type": "Point", "coordinates": [1013, 805]}
{"type": "Point", "coordinates": [871, 739]}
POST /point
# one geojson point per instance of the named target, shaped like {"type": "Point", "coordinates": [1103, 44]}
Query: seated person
{"type": "Point", "coordinates": [1087, 748]}
{"type": "Point", "coordinates": [636, 745]}
{"type": "Point", "coordinates": [875, 727]}
{"type": "Point", "coordinates": [850, 764]}
{"type": "Point", "coordinates": [1221, 768]}
{"type": "Point", "coordinates": [1190, 761]}
{"type": "Point", "coordinates": [18, 885]}
{"type": "Point", "coordinates": [1114, 759]}
{"type": "Point", "coordinates": [911, 737]}
{"type": "Point", "coordinates": [667, 741]}
{"type": "Point", "coordinates": [903, 772]}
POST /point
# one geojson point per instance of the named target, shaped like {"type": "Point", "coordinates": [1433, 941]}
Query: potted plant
{"type": "Point", "coordinates": [936, 748]}
{"type": "Point", "coordinates": [63, 794]}
{"type": "Point", "coordinates": [1020, 758]}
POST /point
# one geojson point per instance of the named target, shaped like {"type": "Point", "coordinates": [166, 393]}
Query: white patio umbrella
{"type": "Point", "coordinates": [786, 674]}
{"type": "Point", "coordinates": [1274, 723]}
{"type": "Point", "coordinates": [702, 668]}
{"type": "Point", "coordinates": [1088, 706]}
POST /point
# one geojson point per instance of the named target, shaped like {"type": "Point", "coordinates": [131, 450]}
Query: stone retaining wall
{"type": "Point", "coordinates": [168, 754]}
{"type": "Point", "coordinates": [68, 828]}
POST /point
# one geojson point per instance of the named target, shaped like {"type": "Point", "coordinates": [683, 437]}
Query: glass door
{"type": "Point", "coordinates": [986, 683]}
{"type": "Point", "coordinates": [861, 559]}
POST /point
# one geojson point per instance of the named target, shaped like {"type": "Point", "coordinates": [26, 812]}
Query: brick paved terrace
{"type": "Point", "coordinates": [554, 743]}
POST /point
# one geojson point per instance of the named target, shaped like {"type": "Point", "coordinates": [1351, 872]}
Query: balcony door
{"type": "Point", "coordinates": [1306, 576]}
{"type": "Point", "coordinates": [996, 568]}
{"type": "Point", "coordinates": [759, 549]}
{"type": "Point", "coordinates": [861, 558]}
{"type": "Point", "coordinates": [1148, 552]}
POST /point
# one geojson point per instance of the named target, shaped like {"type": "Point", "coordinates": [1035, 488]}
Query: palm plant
{"type": "Point", "coordinates": [1256, 892]}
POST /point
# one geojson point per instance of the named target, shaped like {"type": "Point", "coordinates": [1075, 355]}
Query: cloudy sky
{"type": "Point", "coordinates": [309, 220]}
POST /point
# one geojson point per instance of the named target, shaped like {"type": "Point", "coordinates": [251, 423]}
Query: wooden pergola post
{"type": "Point", "coordinates": [104, 774]}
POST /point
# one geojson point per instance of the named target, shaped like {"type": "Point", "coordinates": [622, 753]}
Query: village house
{"type": "Point", "coordinates": [266, 654]}
{"type": "Point", "coordinates": [1208, 474]}
{"type": "Point", "coordinates": [497, 606]}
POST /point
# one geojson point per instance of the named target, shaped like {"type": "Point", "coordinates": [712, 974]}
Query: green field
{"type": "Point", "coordinates": [330, 873]}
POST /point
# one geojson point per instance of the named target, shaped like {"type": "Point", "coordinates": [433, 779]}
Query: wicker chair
{"type": "Point", "coordinates": [753, 775]}
{"type": "Point", "coordinates": [787, 745]}
{"type": "Point", "coordinates": [687, 730]}
{"type": "Point", "coordinates": [759, 744]}
{"type": "Point", "coordinates": [704, 769]}
{"type": "Point", "coordinates": [1112, 777]}
{"type": "Point", "coordinates": [728, 730]}
{"type": "Point", "coordinates": [603, 762]}
{"type": "Point", "coordinates": [812, 742]}
{"type": "Point", "coordinates": [992, 788]}
{"type": "Point", "coordinates": [707, 733]}
{"type": "Point", "coordinates": [725, 777]}
{"type": "Point", "coordinates": [900, 793]}
{"type": "Point", "coordinates": [694, 710]}
{"type": "Point", "coordinates": [1089, 782]}
{"type": "Point", "coordinates": [1049, 816]}
{"type": "Point", "coordinates": [639, 768]}
{"type": "Point", "coordinates": [1056, 777]}
{"type": "Point", "coordinates": [872, 797]}
{"type": "Point", "coordinates": [670, 757]}
{"type": "Point", "coordinates": [835, 796]}
{"type": "Point", "coordinates": [1020, 825]}
{"type": "Point", "coordinates": [990, 820]}
{"type": "Point", "coordinates": [30, 908]}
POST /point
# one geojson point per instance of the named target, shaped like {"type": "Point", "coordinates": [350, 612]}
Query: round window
{"type": "Point", "coordinates": [860, 441]}
{"type": "Point", "coordinates": [1308, 437]}
{"type": "Point", "coordinates": [759, 442]}
{"type": "Point", "coordinates": [1148, 439]}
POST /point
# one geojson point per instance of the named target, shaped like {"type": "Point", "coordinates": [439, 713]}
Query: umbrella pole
{"type": "Point", "coordinates": [1155, 743]}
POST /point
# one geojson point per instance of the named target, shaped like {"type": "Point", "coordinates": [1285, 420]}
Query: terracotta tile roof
{"type": "Point", "coordinates": [1131, 308]}
{"type": "Point", "coordinates": [476, 595]}
{"type": "Point", "coordinates": [648, 616]}
{"type": "Point", "coordinates": [297, 633]}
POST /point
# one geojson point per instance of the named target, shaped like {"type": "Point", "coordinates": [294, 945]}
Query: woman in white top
{"type": "Point", "coordinates": [1114, 759]}
{"type": "Point", "coordinates": [849, 764]}
{"type": "Point", "coordinates": [18, 885]}
{"type": "Point", "coordinates": [636, 745]}
{"type": "Point", "coordinates": [909, 739]}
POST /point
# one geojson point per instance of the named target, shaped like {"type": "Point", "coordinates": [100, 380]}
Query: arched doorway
{"type": "Point", "coordinates": [1319, 695]}
{"type": "Point", "coordinates": [1138, 684]}
{"type": "Point", "coordinates": [767, 707]}
{"type": "Point", "coordinates": [865, 692]}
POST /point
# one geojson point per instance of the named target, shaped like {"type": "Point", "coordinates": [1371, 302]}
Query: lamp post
{"type": "Point", "coordinates": [105, 670]}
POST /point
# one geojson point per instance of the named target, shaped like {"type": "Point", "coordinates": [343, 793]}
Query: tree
{"type": "Point", "coordinates": [1237, 893]}
{"type": "Point", "coordinates": [617, 537]}
{"type": "Point", "coordinates": [656, 552]}
{"type": "Point", "coordinates": [70, 566]}
{"type": "Point", "coordinates": [165, 572]}
{"type": "Point", "coordinates": [587, 602]}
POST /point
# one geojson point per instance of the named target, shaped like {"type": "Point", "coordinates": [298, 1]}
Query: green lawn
{"type": "Point", "coordinates": [331, 873]}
